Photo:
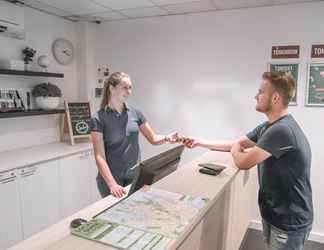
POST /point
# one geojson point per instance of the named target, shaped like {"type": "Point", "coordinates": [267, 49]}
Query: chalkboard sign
{"type": "Point", "coordinates": [78, 117]}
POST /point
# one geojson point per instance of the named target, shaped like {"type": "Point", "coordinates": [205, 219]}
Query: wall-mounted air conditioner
{"type": "Point", "coordinates": [12, 20]}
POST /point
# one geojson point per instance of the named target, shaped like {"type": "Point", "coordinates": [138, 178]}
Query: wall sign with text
{"type": "Point", "coordinates": [317, 51]}
{"type": "Point", "coordinates": [284, 52]}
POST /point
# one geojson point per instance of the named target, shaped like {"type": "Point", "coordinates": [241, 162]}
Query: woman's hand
{"type": "Point", "coordinates": [172, 137]}
{"type": "Point", "coordinates": [117, 190]}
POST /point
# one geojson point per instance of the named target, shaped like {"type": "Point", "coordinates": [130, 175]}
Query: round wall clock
{"type": "Point", "coordinates": [63, 51]}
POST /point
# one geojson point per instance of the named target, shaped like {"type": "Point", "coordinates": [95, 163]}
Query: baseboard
{"type": "Point", "coordinates": [314, 236]}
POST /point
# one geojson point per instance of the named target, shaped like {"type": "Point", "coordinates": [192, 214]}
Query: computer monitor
{"type": "Point", "coordinates": [155, 168]}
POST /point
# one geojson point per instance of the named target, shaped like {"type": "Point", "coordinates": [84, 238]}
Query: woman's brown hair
{"type": "Point", "coordinates": [114, 79]}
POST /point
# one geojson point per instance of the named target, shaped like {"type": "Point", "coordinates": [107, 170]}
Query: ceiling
{"type": "Point", "coordinates": [108, 10]}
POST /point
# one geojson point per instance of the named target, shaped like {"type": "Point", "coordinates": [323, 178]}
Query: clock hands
{"type": "Point", "coordinates": [66, 52]}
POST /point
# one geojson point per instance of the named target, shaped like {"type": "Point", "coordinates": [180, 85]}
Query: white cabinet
{"type": "Point", "coordinates": [95, 195]}
{"type": "Point", "coordinates": [39, 192]}
{"type": "Point", "coordinates": [10, 229]}
{"type": "Point", "coordinates": [74, 178]}
{"type": "Point", "coordinates": [37, 196]}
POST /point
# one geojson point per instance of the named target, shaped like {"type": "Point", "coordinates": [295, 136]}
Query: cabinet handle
{"type": "Point", "coordinates": [83, 156]}
{"type": "Point", "coordinates": [28, 170]}
{"type": "Point", "coordinates": [7, 180]}
{"type": "Point", "coordinates": [28, 174]}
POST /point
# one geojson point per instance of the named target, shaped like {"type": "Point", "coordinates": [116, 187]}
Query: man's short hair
{"type": "Point", "coordinates": [283, 83]}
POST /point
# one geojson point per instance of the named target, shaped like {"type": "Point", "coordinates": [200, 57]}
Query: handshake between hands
{"type": "Point", "coordinates": [189, 142]}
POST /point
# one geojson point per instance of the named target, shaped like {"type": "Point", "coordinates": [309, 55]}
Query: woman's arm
{"type": "Point", "coordinates": [156, 139]}
{"type": "Point", "coordinates": [102, 165]}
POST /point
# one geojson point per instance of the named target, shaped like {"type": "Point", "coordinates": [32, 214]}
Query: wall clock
{"type": "Point", "coordinates": [63, 51]}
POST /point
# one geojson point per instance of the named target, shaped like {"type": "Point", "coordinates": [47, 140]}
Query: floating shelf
{"type": "Point", "coordinates": [31, 113]}
{"type": "Point", "coordinates": [29, 73]}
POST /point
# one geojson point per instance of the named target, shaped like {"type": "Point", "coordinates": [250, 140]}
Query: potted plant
{"type": "Point", "coordinates": [28, 54]}
{"type": "Point", "coordinates": [47, 95]}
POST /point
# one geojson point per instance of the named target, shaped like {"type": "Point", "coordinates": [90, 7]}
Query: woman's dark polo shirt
{"type": "Point", "coordinates": [121, 138]}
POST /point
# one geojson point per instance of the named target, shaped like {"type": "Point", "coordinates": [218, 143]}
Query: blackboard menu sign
{"type": "Point", "coordinates": [78, 118]}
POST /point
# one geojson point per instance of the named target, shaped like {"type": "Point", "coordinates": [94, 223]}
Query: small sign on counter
{"type": "Point", "coordinates": [76, 121]}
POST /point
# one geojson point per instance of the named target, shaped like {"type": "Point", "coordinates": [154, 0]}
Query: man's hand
{"type": "Point", "coordinates": [117, 190]}
{"type": "Point", "coordinates": [190, 142]}
{"type": "Point", "coordinates": [236, 148]}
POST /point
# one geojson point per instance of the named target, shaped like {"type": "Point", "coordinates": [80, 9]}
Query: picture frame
{"type": "Point", "coordinates": [293, 69]}
{"type": "Point", "coordinates": [315, 85]}
{"type": "Point", "coordinates": [98, 92]}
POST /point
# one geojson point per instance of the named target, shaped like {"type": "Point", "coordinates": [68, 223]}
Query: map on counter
{"type": "Point", "coordinates": [145, 220]}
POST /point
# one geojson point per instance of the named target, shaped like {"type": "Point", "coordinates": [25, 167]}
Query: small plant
{"type": "Point", "coordinates": [28, 54]}
{"type": "Point", "coordinates": [46, 90]}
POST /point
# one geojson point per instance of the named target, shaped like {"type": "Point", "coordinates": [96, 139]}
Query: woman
{"type": "Point", "coordinates": [114, 134]}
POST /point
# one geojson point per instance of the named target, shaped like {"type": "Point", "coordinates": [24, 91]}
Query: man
{"type": "Point", "coordinates": [283, 155]}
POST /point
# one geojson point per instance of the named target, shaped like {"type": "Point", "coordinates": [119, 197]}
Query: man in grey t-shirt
{"type": "Point", "coordinates": [283, 155]}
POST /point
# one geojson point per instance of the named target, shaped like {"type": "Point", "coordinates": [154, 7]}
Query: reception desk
{"type": "Point", "coordinates": [221, 226]}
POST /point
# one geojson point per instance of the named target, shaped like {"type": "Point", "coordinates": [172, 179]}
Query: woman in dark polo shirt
{"type": "Point", "coordinates": [114, 132]}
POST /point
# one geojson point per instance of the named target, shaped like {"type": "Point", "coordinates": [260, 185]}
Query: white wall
{"type": "Point", "coordinates": [41, 31]}
{"type": "Point", "coordinates": [199, 73]}
{"type": "Point", "coordinates": [195, 73]}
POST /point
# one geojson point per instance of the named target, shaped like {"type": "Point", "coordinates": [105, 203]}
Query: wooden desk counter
{"type": "Point", "coordinates": [221, 225]}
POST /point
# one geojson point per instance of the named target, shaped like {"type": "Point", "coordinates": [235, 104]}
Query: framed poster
{"type": "Point", "coordinates": [291, 68]}
{"type": "Point", "coordinates": [315, 85]}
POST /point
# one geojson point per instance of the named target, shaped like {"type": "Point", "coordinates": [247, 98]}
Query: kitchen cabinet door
{"type": "Point", "coordinates": [95, 195]}
{"type": "Point", "coordinates": [75, 183]}
{"type": "Point", "coordinates": [10, 229]}
{"type": "Point", "coordinates": [39, 190]}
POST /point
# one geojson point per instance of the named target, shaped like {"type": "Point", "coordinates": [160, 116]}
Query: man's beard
{"type": "Point", "coordinates": [267, 108]}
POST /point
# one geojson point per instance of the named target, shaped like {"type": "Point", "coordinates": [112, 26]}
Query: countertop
{"type": "Point", "coordinates": [186, 180]}
{"type": "Point", "coordinates": [14, 159]}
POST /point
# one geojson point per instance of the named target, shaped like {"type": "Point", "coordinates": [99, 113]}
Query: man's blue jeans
{"type": "Point", "coordinates": [277, 239]}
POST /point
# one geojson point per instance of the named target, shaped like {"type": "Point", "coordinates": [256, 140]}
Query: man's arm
{"type": "Point", "coordinates": [245, 142]}
{"type": "Point", "coordinates": [218, 145]}
{"type": "Point", "coordinates": [247, 159]}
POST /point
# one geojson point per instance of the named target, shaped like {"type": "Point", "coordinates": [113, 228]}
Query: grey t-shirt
{"type": "Point", "coordinates": [121, 138]}
{"type": "Point", "coordinates": [285, 194]}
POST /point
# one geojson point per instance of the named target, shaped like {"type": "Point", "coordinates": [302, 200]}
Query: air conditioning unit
{"type": "Point", "coordinates": [12, 20]}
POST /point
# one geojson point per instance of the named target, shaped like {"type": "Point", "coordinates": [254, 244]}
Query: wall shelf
{"type": "Point", "coordinates": [29, 73]}
{"type": "Point", "coordinates": [31, 113]}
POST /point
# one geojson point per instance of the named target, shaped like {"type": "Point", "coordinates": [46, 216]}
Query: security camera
{"type": "Point", "coordinates": [98, 22]}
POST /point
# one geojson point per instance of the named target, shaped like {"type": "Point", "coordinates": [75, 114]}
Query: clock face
{"type": "Point", "coordinates": [63, 51]}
